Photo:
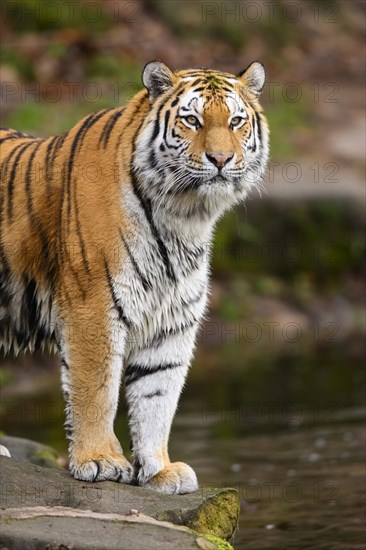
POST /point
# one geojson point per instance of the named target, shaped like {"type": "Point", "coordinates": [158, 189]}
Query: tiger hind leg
{"type": "Point", "coordinates": [92, 364]}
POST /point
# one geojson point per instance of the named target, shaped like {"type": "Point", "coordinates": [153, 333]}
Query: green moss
{"type": "Point", "coordinates": [47, 458]}
{"type": "Point", "coordinates": [217, 516]}
{"type": "Point", "coordinates": [220, 544]}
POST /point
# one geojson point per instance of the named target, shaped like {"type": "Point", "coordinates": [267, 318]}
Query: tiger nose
{"type": "Point", "coordinates": [219, 159]}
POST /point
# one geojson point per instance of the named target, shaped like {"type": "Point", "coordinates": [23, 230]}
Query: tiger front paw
{"type": "Point", "coordinates": [110, 467]}
{"type": "Point", "coordinates": [176, 478]}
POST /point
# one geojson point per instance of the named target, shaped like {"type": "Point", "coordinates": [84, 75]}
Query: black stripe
{"type": "Point", "coordinates": [69, 430]}
{"type": "Point", "coordinates": [77, 140]}
{"type": "Point", "coordinates": [14, 133]}
{"type": "Point", "coordinates": [104, 132]}
{"type": "Point", "coordinates": [257, 117]}
{"type": "Point", "coordinates": [80, 236]}
{"type": "Point", "coordinates": [146, 206]}
{"type": "Point", "coordinates": [94, 119]}
{"type": "Point", "coordinates": [145, 282]}
{"type": "Point", "coordinates": [50, 158]}
{"type": "Point", "coordinates": [156, 130]}
{"type": "Point", "coordinates": [97, 463]}
{"type": "Point", "coordinates": [61, 246]}
{"type": "Point", "coordinates": [131, 119]}
{"type": "Point", "coordinates": [107, 130]}
{"type": "Point", "coordinates": [156, 125]}
{"type": "Point", "coordinates": [14, 137]}
{"type": "Point", "coordinates": [207, 73]}
{"type": "Point", "coordinates": [166, 123]}
{"type": "Point", "coordinates": [157, 393]}
{"type": "Point", "coordinates": [64, 363]}
{"type": "Point", "coordinates": [122, 317]}
{"type": "Point", "coordinates": [12, 177]}
{"type": "Point", "coordinates": [195, 299]}
{"type": "Point", "coordinates": [74, 146]}
{"type": "Point", "coordinates": [28, 182]}
{"type": "Point", "coordinates": [48, 152]}
{"type": "Point", "coordinates": [197, 73]}
{"type": "Point", "coordinates": [197, 81]}
{"type": "Point", "coordinates": [6, 161]}
{"type": "Point", "coordinates": [30, 306]}
{"type": "Point", "coordinates": [153, 161]}
{"type": "Point", "coordinates": [42, 336]}
{"type": "Point", "coordinates": [135, 371]}
{"type": "Point", "coordinates": [161, 336]}
{"type": "Point", "coordinates": [254, 131]}
{"type": "Point", "coordinates": [77, 143]}
{"type": "Point", "coordinates": [136, 467]}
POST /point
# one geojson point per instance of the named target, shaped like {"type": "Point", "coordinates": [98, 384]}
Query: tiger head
{"type": "Point", "coordinates": [204, 142]}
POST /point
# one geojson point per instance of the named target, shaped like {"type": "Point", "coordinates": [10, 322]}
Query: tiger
{"type": "Point", "coordinates": [105, 240]}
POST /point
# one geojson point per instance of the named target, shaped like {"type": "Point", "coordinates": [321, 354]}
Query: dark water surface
{"type": "Point", "coordinates": [287, 432]}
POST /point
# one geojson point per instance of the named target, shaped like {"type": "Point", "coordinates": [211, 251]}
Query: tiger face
{"type": "Point", "coordinates": [205, 141]}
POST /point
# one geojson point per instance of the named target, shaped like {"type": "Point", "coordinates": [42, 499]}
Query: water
{"type": "Point", "coordinates": [287, 432]}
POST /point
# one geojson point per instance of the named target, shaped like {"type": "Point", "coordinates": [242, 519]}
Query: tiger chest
{"type": "Point", "coordinates": [163, 308]}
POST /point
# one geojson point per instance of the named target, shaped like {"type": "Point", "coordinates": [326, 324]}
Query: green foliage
{"type": "Point", "coordinates": [286, 117]}
{"type": "Point", "coordinates": [9, 56]}
{"type": "Point", "coordinates": [43, 119]}
{"type": "Point", "coordinates": [301, 242]}
{"type": "Point", "coordinates": [234, 23]}
{"type": "Point", "coordinates": [112, 67]}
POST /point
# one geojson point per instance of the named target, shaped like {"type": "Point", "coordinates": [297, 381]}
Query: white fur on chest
{"type": "Point", "coordinates": [166, 306]}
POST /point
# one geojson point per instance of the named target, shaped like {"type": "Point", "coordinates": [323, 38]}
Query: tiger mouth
{"type": "Point", "coordinates": [216, 179]}
{"type": "Point", "coordinates": [194, 183]}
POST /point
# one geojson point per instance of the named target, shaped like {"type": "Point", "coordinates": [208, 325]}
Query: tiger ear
{"type": "Point", "coordinates": [253, 77]}
{"type": "Point", "coordinates": [157, 78]}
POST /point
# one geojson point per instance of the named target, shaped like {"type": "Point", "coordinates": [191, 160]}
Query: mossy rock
{"type": "Point", "coordinates": [60, 510]}
{"type": "Point", "coordinates": [31, 451]}
{"type": "Point", "coordinates": [218, 513]}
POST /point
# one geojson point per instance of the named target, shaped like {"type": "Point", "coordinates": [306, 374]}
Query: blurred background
{"type": "Point", "coordinates": [275, 401]}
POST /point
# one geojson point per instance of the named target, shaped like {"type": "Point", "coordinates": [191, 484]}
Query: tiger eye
{"type": "Point", "coordinates": [236, 121]}
{"type": "Point", "coordinates": [192, 120]}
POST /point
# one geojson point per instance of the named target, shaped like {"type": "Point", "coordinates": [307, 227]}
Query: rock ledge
{"type": "Point", "coordinates": [47, 508]}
